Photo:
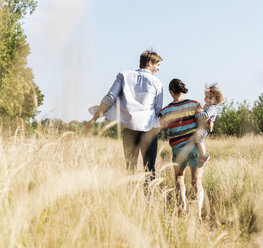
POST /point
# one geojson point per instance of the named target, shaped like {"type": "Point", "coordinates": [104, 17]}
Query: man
{"type": "Point", "coordinates": [141, 98]}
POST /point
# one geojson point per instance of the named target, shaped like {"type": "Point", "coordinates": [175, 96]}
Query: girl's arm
{"type": "Point", "coordinates": [207, 113]}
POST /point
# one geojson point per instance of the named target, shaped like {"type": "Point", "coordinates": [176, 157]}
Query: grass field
{"type": "Point", "coordinates": [71, 191]}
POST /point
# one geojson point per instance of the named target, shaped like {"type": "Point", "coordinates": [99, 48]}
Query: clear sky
{"type": "Point", "coordinates": [78, 47]}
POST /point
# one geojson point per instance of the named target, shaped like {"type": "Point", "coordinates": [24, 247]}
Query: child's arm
{"type": "Point", "coordinates": [162, 123]}
{"type": "Point", "coordinates": [202, 115]}
{"type": "Point", "coordinates": [205, 115]}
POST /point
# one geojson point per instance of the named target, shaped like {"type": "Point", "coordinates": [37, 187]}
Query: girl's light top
{"type": "Point", "coordinates": [209, 111]}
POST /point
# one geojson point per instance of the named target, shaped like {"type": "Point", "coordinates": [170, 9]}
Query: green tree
{"type": "Point", "coordinates": [235, 121]}
{"type": "Point", "coordinates": [228, 121]}
{"type": "Point", "coordinates": [19, 95]}
{"type": "Point", "coordinates": [258, 113]}
{"type": "Point", "coordinates": [247, 123]}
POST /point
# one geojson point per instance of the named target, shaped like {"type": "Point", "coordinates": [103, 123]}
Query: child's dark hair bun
{"type": "Point", "coordinates": [177, 86]}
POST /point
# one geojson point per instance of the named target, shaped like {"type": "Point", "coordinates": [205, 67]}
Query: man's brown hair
{"type": "Point", "coordinates": [147, 56]}
{"type": "Point", "coordinates": [214, 91]}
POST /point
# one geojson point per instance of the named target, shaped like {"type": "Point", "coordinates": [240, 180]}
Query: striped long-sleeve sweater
{"type": "Point", "coordinates": [181, 121]}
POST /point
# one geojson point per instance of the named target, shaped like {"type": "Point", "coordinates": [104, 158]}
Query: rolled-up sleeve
{"type": "Point", "coordinates": [207, 113]}
{"type": "Point", "coordinates": [201, 115]}
{"type": "Point", "coordinates": [114, 91]}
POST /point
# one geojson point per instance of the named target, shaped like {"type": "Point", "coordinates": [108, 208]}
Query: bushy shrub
{"type": "Point", "coordinates": [258, 113]}
{"type": "Point", "coordinates": [240, 119]}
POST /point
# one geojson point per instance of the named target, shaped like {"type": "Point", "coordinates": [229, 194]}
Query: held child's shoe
{"type": "Point", "coordinates": [203, 160]}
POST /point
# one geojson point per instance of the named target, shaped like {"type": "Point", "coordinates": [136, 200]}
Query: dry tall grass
{"type": "Point", "coordinates": [70, 191]}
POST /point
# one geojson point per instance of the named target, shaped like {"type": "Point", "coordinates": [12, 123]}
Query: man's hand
{"type": "Point", "coordinates": [90, 124]}
{"type": "Point", "coordinates": [102, 108]}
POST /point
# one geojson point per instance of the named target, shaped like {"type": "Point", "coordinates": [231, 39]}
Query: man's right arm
{"type": "Point", "coordinates": [114, 91]}
{"type": "Point", "coordinates": [107, 100]}
{"type": "Point", "coordinates": [102, 109]}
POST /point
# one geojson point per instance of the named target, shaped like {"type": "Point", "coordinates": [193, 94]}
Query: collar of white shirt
{"type": "Point", "coordinates": [145, 70]}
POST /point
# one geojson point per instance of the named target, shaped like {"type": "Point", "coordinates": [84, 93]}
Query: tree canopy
{"type": "Point", "coordinates": [19, 94]}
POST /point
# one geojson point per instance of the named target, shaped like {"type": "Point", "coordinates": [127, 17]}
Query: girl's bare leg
{"type": "Point", "coordinates": [180, 186]}
{"type": "Point", "coordinates": [197, 174]}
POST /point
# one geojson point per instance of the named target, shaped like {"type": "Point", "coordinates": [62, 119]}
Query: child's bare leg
{"type": "Point", "coordinates": [180, 186]}
{"type": "Point", "coordinates": [197, 174]}
{"type": "Point", "coordinates": [201, 148]}
{"type": "Point", "coordinates": [211, 126]}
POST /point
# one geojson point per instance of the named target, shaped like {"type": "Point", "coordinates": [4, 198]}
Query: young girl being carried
{"type": "Point", "coordinates": [206, 117]}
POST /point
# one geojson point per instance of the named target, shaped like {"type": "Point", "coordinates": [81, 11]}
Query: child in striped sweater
{"type": "Point", "coordinates": [179, 118]}
{"type": "Point", "coordinates": [206, 117]}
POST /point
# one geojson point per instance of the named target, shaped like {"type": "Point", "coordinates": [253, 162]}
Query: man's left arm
{"type": "Point", "coordinates": [159, 101]}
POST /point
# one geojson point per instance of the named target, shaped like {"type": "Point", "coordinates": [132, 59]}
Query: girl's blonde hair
{"type": "Point", "coordinates": [214, 91]}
